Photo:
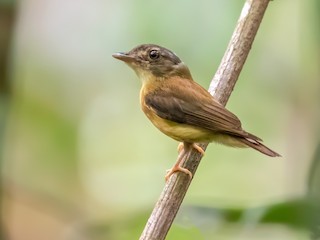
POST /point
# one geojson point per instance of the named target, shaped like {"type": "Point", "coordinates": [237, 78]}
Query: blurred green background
{"type": "Point", "coordinates": [79, 160]}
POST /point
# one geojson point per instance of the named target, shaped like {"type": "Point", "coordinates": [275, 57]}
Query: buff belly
{"type": "Point", "coordinates": [191, 134]}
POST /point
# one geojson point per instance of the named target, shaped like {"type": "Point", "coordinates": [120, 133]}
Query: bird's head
{"type": "Point", "coordinates": [149, 60]}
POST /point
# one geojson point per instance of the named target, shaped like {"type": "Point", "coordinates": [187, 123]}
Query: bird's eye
{"type": "Point", "coordinates": [154, 54]}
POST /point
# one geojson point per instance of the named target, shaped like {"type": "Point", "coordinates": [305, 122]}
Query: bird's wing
{"type": "Point", "coordinates": [184, 101]}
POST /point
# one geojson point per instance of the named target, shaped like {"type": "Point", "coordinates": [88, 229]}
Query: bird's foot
{"type": "Point", "coordinates": [183, 146]}
{"type": "Point", "coordinates": [177, 168]}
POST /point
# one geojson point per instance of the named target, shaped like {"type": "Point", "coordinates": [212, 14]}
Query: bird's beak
{"type": "Point", "coordinates": [123, 57]}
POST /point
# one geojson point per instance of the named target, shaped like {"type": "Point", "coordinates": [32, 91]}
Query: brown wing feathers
{"type": "Point", "coordinates": [189, 110]}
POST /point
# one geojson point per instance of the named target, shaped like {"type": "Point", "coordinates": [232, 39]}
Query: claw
{"type": "Point", "coordinates": [177, 168]}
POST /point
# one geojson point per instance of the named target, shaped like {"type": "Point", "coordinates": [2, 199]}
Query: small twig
{"type": "Point", "coordinates": [221, 87]}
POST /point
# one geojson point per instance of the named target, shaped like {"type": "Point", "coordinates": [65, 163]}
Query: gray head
{"type": "Point", "coordinates": [152, 59]}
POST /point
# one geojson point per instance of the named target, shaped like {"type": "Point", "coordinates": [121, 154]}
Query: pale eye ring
{"type": "Point", "coordinates": [154, 54]}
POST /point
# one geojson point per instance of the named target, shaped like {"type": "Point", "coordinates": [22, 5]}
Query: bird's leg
{"type": "Point", "coordinates": [198, 148]}
{"type": "Point", "coordinates": [182, 149]}
{"type": "Point", "coordinates": [194, 145]}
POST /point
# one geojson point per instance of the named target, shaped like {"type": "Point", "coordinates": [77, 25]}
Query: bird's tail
{"type": "Point", "coordinates": [257, 145]}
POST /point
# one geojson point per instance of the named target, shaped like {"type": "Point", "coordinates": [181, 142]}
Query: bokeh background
{"type": "Point", "coordinates": [79, 160]}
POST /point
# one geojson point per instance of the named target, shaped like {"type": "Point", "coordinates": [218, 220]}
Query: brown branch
{"type": "Point", "coordinates": [221, 87]}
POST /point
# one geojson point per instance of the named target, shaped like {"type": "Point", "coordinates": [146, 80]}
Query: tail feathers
{"type": "Point", "coordinates": [259, 147]}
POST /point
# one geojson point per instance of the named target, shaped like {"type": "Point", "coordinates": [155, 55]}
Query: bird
{"type": "Point", "coordinates": [181, 108]}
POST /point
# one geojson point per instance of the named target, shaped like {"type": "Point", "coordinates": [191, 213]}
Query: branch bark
{"type": "Point", "coordinates": [221, 87]}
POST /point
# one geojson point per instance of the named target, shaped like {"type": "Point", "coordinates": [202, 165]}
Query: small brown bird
{"type": "Point", "coordinates": [181, 108]}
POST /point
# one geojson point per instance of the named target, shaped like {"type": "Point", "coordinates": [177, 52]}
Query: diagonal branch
{"type": "Point", "coordinates": [221, 87]}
